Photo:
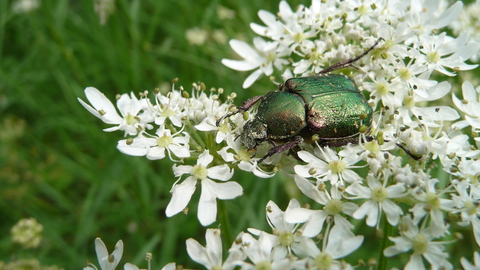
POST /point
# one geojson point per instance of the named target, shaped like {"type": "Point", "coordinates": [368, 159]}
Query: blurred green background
{"type": "Point", "coordinates": [56, 163]}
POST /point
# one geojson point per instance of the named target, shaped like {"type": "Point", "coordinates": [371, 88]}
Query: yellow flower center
{"type": "Point", "coordinates": [200, 172]}
{"type": "Point", "coordinates": [337, 166]}
{"type": "Point", "coordinates": [405, 73]}
{"type": "Point", "coordinates": [433, 57]}
{"type": "Point", "coordinates": [333, 207]}
{"type": "Point", "coordinates": [130, 119]}
{"type": "Point", "coordinates": [379, 194]}
{"type": "Point", "coordinates": [432, 200]}
{"type": "Point", "coordinates": [323, 261]}
{"type": "Point", "coordinates": [164, 141]}
{"type": "Point", "coordinates": [286, 238]}
{"type": "Point", "coordinates": [263, 265]}
{"type": "Point", "coordinates": [299, 37]}
{"type": "Point", "coordinates": [408, 101]}
{"type": "Point", "coordinates": [471, 208]}
{"type": "Point", "coordinates": [420, 244]}
{"type": "Point", "coordinates": [373, 147]}
{"type": "Point", "coordinates": [223, 128]}
{"type": "Point", "coordinates": [168, 113]}
{"type": "Point", "coordinates": [382, 88]}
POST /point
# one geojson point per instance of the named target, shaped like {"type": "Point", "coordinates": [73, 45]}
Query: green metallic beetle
{"type": "Point", "coordinates": [329, 106]}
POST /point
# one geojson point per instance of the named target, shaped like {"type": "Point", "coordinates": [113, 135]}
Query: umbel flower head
{"type": "Point", "coordinates": [27, 232]}
{"type": "Point", "coordinates": [382, 178]}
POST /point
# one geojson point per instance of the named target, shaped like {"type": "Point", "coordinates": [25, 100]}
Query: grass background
{"type": "Point", "coordinates": [56, 163]}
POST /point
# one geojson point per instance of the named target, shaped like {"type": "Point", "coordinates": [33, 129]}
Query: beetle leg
{"type": "Point", "coordinates": [282, 147]}
{"type": "Point", "coordinates": [245, 106]}
{"type": "Point", "coordinates": [274, 144]}
{"type": "Point", "coordinates": [344, 141]}
{"type": "Point", "coordinates": [349, 61]}
{"type": "Point", "coordinates": [408, 152]}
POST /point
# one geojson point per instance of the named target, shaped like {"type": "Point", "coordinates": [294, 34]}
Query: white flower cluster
{"type": "Point", "coordinates": [168, 117]}
{"type": "Point", "coordinates": [412, 111]}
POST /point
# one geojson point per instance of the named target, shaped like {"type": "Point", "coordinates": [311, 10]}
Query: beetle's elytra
{"type": "Point", "coordinates": [329, 106]}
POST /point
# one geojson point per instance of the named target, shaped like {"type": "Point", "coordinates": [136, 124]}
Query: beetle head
{"type": "Point", "coordinates": [254, 133]}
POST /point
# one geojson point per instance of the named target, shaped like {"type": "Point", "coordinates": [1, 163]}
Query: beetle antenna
{"type": "Point", "coordinates": [349, 61]}
{"type": "Point", "coordinates": [246, 105]}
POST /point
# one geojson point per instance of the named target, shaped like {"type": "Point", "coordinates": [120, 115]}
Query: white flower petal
{"type": "Point", "coordinates": [169, 266]}
{"type": "Point", "coordinates": [239, 65]}
{"type": "Point", "coordinates": [181, 195]}
{"type": "Point", "coordinates": [198, 253]}
{"type": "Point", "coordinates": [392, 211]}
{"type": "Point", "coordinates": [252, 78]}
{"type": "Point", "coordinates": [259, 29]}
{"type": "Point", "coordinates": [156, 153]}
{"type": "Point", "coordinates": [100, 102]}
{"type": "Point", "coordinates": [220, 172]}
{"type": "Point", "coordinates": [311, 191]}
{"type": "Point", "coordinates": [214, 246]}
{"type": "Point", "coordinates": [207, 205]}
{"type": "Point", "coordinates": [226, 191]}
{"type": "Point", "coordinates": [129, 266]}
{"type": "Point", "coordinates": [438, 113]}
{"type": "Point", "coordinates": [132, 150]}
{"type": "Point", "coordinates": [243, 49]}
{"type": "Point", "coordinates": [342, 242]}
{"type": "Point", "coordinates": [180, 151]}
{"type": "Point", "coordinates": [315, 223]}
{"type": "Point", "coordinates": [103, 256]}
{"type": "Point", "coordinates": [204, 158]}
{"type": "Point", "coordinates": [448, 16]}
{"type": "Point", "coordinates": [363, 211]}
{"type": "Point", "coordinates": [415, 263]}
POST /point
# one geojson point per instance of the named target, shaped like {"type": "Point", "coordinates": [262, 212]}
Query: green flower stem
{"type": "Point", "coordinates": [194, 135]}
{"type": "Point", "coordinates": [387, 231]}
{"type": "Point", "coordinates": [225, 224]}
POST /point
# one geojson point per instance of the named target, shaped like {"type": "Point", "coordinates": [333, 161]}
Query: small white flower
{"type": "Point", "coordinates": [265, 57]}
{"type": "Point", "coordinates": [196, 36]}
{"type": "Point", "coordinates": [154, 147]}
{"type": "Point", "coordinates": [172, 106]}
{"type": "Point", "coordinates": [168, 266]}
{"type": "Point", "coordinates": [314, 61]}
{"type": "Point", "coordinates": [426, 16]}
{"type": "Point", "coordinates": [261, 255]}
{"type": "Point", "coordinates": [470, 105]}
{"type": "Point", "coordinates": [339, 243]}
{"type": "Point", "coordinates": [286, 235]}
{"type": "Point", "coordinates": [335, 168]}
{"type": "Point", "coordinates": [466, 168]}
{"type": "Point", "coordinates": [211, 190]}
{"type": "Point", "coordinates": [25, 6]}
{"type": "Point", "coordinates": [107, 261]}
{"type": "Point", "coordinates": [210, 256]}
{"type": "Point", "coordinates": [315, 219]}
{"type": "Point", "coordinates": [242, 157]}
{"type": "Point", "coordinates": [431, 203]}
{"type": "Point", "coordinates": [103, 108]}
{"type": "Point", "coordinates": [468, 266]}
{"type": "Point", "coordinates": [426, 115]}
{"type": "Point", "coordinates": [377, 195]}
{"type": "Point", "coordinates": [419, 241]}
{"type": "Point", "coordinates": [442, 52]}
{"type": "Point", "coordinates": [225, 13]}
{"type": "Point", "coordinates": [467, 203]}
{"type": "Point", "coordinates": [209, 123]}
